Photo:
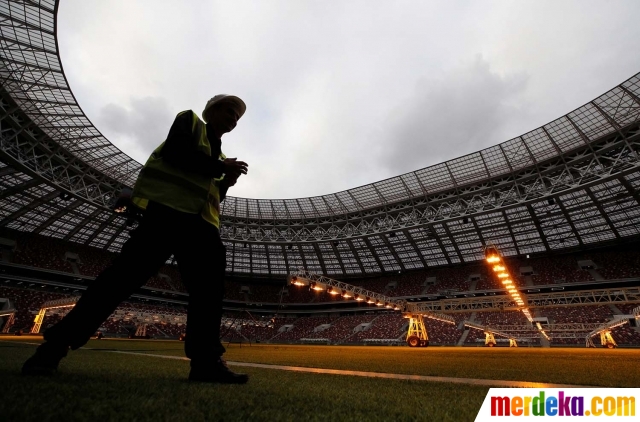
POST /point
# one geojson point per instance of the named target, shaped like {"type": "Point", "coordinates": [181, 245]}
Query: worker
{"type": "Point", "coordinates": [178, 194]}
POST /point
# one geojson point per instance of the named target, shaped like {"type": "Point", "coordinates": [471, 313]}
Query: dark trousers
{"type": "Point", "coordinates": [201, 258]}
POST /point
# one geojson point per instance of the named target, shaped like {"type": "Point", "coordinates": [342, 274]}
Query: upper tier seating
{"type": "Point", "coordinates": [56, 254]}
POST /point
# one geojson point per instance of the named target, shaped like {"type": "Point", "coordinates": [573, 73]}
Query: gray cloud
{"type": "Point", "coordinates": [139, 127]}
{"type": "Point", "coordinates": [459, 113]}
{"type": "Point", "coordinates": [341, 94]}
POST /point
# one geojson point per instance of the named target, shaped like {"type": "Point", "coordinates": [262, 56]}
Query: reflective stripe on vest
{"type": "Point", "coordinates": [182, 191]}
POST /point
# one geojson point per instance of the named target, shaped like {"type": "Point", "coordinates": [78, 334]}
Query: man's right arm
{"type": "Point", "coordinates": [180, 149]}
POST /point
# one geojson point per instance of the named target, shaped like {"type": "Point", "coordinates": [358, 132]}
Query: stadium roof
{"type": "Point", "coordinates": [573, 182]}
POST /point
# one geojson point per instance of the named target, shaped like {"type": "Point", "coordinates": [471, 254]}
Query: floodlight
{"type": "Point", "coordinates": [507, 281]}
{"type": "Point", "coordinates": [491, 254]}
{"type": "Point", "coordinates": [332, 291]}
{"type": "Point", "coordinates": [503, 275]}
{"type": "Point", "coordinates": [316, 286]}
{"type": "Point", "coordinates": [346, 294]}
{"type": "Point", "coordinates": [358, 298]}
{"type": "Point", "coordinates": [497, 268]}
{"type": "Point", "coordinates": [370, 301]}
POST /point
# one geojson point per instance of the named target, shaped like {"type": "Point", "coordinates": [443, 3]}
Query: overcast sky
{"type": "Point", "coordinates": [343, 93]}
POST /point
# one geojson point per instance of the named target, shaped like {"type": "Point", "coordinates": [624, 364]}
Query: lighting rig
{"type": "Point", "coordinates": [606, 339]}
{"type": "Point", "coordinates": [8, 311]}
{"type": "Point", "coordinates": [417, 334]}
{"type": "Point", "coordinates": [11, 317]}
{"type": "Point", "coordinates": [490, 333]}
{"type": "Point", "coordinates": [67, 302]}
{"type": "Point", "coordinates": [496, 263]}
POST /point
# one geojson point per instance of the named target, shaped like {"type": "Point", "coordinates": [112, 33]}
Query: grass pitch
{"type": "Point", "coordinates": [96, 384]}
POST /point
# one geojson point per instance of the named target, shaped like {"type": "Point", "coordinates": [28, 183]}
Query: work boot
{"type": "Point", "coordinates": [46, 359]}
{"type": "Point", "coordinates": [218, 372]}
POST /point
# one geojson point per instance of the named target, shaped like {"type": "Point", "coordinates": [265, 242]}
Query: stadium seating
{"type": "Point", "coordinates": [41, 252]}
{"type": "Point", "coordinates": [626, 335]}
{"type": "Point", "coordinates": [444, 333]}
{"type": "Point", "coordinates": [264, 292]}
{"type": "Point", "coordinates": [159, 283]}
{"type": "Point", "coordinates": [27, 303]}
{"type": "Point", "coordinates": [52, 254]}
{"type": "Point", "coordinates": [342, 328]}
{"type": "Point", "coordinates": [493, 319]}
{"type": "Point", "coordinates": [578, 314]}
{"type": "Point", "coordinates": [254, 332]}
{"type": "Point", "coordinates": [116, 327]}
{"type": "Point", "coordinates": [384, 326]}
{"type": "Point", "coordinates": [409, 284]}
{"type": "Point", "coordinates": [622, 264]}
{"type": "Point", "coordinates": [490, 281]}
{"type": "Point", "coordinates": [627, 308]}
{"type": "Point", "coordinates": [302, 327]}
{"type": "Point", "coordinates": [551, 270]}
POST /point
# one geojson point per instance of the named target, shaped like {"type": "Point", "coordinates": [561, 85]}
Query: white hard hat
{"type": "Point", "coordinates": [242, 107]}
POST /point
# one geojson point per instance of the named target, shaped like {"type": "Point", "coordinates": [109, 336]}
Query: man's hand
{"type": "Point", "coordinates": [234, 168]}
{"type": "Point", "coordinates": [230, 181]}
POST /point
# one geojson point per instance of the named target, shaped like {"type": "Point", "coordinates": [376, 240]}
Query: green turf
{"type": "Point", "coordinates": [581, 366]}
{"type": "Point", "coordinates": [96, 385]}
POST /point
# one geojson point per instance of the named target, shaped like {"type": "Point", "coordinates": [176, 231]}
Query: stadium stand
{"type": "Point", "coordinates": [500, 318]}
{"type": "Point", "coordinates": [446, 211]}
{"type": "Point", "coordinates": [621, 264]}
{"type": "Point", "coordinates": [626, 335]}
{"type": "Point", "coordinates": [342, 328]}
{"type": "Point", "coordinates": [383, 327]}
{"type": "Point", "coordinates": [27, 303]}
{"type": "Point", "coordinates": [578, 314]}
{"type": "Point", "coordinates": [159, 283]}
{"type": "Point", "coordinates": [302, 327]}
{"type": "Point", "coordinates": [41, 252]}
{"type": "Point", "coordinates": [255, 332]}
{"type": "Point", "coordinates": [54, 254]}
{"type": "Point", "coordinates": [269, 293]}
{"type": "Point", "coordinates": [560, 269]}
{"type": "Point", "coordinates": [409, 284]}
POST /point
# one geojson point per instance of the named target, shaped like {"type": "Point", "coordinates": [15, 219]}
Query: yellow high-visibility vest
{"type": "Point", "coordinates": [183, 191]}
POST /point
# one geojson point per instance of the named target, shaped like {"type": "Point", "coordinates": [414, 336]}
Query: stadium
{"type": "Point", "coordinates": [398, 286]}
